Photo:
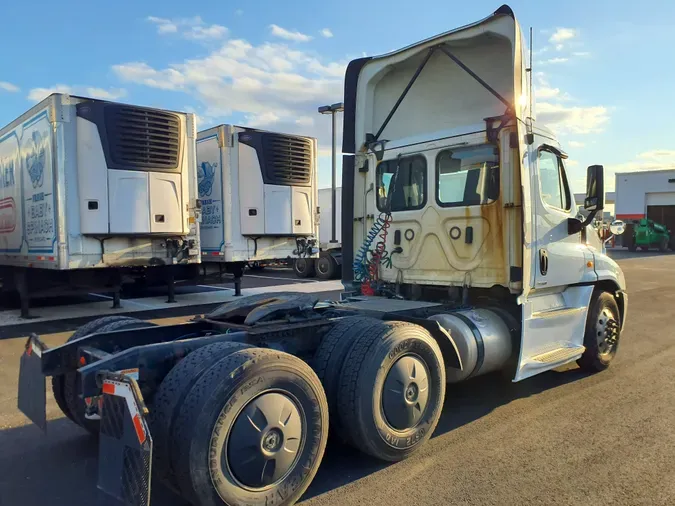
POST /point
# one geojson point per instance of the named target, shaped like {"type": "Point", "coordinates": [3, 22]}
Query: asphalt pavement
{"type": "Point", "coordinates": [560, 438]}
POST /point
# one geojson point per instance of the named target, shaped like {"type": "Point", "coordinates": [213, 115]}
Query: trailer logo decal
{"type": "Point", "coordinates": [6, 173]}
{"type": "Point", "coordinates": [7, 215]}
{"type": "Point", "coordinates": [35, 160]}
{"type": "Point", "coordinates": [205, 176]}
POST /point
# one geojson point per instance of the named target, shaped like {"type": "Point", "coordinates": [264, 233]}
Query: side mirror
{"type": "Point", "coordinates": [595, 189]}
{"type": "Point", "coordinates": [617, 227]}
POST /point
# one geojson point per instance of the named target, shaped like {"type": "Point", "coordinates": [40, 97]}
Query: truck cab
{"type": "Point", "coordinates": [453, 191]}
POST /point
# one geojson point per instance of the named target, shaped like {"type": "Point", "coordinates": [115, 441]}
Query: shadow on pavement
{"type": "Point", "coordinates": [61, 468]}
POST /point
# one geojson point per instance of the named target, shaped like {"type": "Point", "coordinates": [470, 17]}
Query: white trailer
{"type": "Point", "coordinates": [258, 196]}
{"type": "Point", "coordinates": [329, 263]}
{"type": "Point", "coordinates": [93, 192]}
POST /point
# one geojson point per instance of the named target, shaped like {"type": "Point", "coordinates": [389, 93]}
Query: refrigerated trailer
{"type": "Point", "coordinates": [258, 197]}
{"type": "Point", "coordinates": [93, 193]}
{"type": "Point", "coordinates": [467, 256]}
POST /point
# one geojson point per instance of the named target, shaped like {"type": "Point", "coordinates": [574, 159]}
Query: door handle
{"type": "Point", "coordinates": [543, 261]}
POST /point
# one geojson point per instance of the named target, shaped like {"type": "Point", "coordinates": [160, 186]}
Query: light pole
{"type": "Point", "coordinates": [333, 110]}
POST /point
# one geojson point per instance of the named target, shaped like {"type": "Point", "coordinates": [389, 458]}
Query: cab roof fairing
{"type": "Point", "coordinates": [493, 48]}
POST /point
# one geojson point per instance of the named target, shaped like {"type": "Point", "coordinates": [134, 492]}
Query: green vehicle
{"type": "Point", "coordinates": [648, 234]}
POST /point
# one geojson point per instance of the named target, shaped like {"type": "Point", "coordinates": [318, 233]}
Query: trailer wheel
{"type": "Point", "coordinates": [86, 329]}
{"type": "Point", "coordinates": [171, 392]}
{"type": "Point", "coordinates": [304, 267]}
{"type": "Point", "coordinates": [252, 430]}
{"type": "Point", "coordinates": [329, 360]}
{"type": "Point", "coordinates": [603, 330]}
{"type": "Point", "coordinates": [326, 266]}
{"type": "Point", "coordinates": [392, 390]}
{"type": "Point", "coordinates": [75, 403]}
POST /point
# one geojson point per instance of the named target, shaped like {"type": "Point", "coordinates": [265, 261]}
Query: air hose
{"type": "Point", "coordinates": [360, 266]}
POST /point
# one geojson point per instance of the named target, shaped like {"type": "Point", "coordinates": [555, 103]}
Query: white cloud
{"type": "Point", "coordinates": [138, 72]}
{"type": "Point", "coordinates": [562, 35]}
{"type": "Point", "coordinates": [576, 144]}
{"type": "Point", "coordinates": [559, 47]}
{"type": "Point", "coordinates": [12, 88]}
{"type": "Point", "coordinates": [163, 25]}
{"type": "Point", "coordinates": [658, 154]}
{"type": "Point", "coordinates": [239, 12]}
{"type": "Point", "coordinates": [37, 94]}
{"type": "Point", "coordinates": [189, 28]}
{"type": "Point", "coordinates": [577, 120]}
{"type": "Point", "coordinates": [553, 61]}
{"type": "Point", "coordinates": [581, 53]}
{"type": "Point", "coordinates": [271, 85]}
{"type": "Point", "coordinates": [295, 36]}
{"type": "Point", "coordinates": [327, 33]}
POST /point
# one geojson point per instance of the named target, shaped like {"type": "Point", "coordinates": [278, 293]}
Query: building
{"type": "Point", "coordinates": [645, 194]}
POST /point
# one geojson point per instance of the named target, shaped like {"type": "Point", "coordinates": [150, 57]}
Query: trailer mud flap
{"type": "Point", "coordinates": [125, 445]}
{"type": "Point", "coordinates": [31, 395]}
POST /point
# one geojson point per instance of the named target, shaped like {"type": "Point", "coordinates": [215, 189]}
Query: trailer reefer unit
{"type": "Point", "coordinates": [258, 196]}
{"type": "Point", "coordinates": [92, 191]}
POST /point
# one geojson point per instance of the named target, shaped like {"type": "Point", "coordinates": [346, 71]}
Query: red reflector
{"type": "Point", "coordinates": [51, 259]}
{"type": "Point", "coordinates": [215, 253]}
{"type": "Point", "coordinates": [140, 432]}
{"type": "Point", "coordinates": [29, 351]}
{"type": "Point", "coordinates": [83, 361]}
{"type": "Point", "coordinates": [108, 388]}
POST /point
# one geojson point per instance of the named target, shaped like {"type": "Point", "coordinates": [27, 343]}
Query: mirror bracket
{"type": "Point", "coordinates": [575, 225]}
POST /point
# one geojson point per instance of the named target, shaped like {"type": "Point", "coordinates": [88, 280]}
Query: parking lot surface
{"type": "Point", "coordinates": [563, 437]}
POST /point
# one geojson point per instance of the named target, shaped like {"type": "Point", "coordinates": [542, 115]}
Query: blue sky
{"type": "Point", "coordinates": [603, 70]}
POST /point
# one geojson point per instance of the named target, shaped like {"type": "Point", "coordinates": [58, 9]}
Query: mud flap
{"type": "Point", "coordinates": [125, 444]}
{"type": "Point", "coordinates": [31, 395]}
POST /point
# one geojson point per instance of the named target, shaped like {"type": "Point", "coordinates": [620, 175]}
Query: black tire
{"type": "Point", "coordinates": [601, 344]}
{"type": "Point", "coordinates": [256, 266]}
{"type": "Point", "coordinates": [326, 266]}
{"type": "Point", "coordinates": [304, 267]}
{"type": "Point", "coordinates": [382, 419]}
{"type": "Point", "coordinates": [329, 359]}
{"type": "Point", "coordinates": [170, 394]}
{"type": "Point", "coordinates": [663, 245]}
{"type": "Point", "coordinates": [75, 403]}
{"type": "Point", "coordinates": [211, 413]}
{"type": "Point", "coordinates": [58, 388]}
{"type": "Point", "coordinates": [644, 248]}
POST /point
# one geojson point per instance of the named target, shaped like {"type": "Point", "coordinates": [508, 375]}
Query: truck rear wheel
{"type": "Point", "coordinates": [326, 266]}
{"type": "Point", "coordinates": [392, 390]}
{"type": "Point", "coordinates": [58, 382]}
{"type": "Point", "coordinates": [171, 392]}
{"type": "Point", "coordinates": [603, 329]}
{"type": "Point", "coordinates": [252, 430]}
{"type": "Point", "coordinates": [329, 360]}
{"type": "Point", "coordinates": [304, 267]}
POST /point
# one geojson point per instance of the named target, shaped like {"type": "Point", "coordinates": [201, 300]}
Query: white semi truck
{"type": "Point", "coordinates": [258, 197]}
{"type": "Point", "coordinates": [93, 193]}
{"type": "Point", "coordinates": [467, 256]}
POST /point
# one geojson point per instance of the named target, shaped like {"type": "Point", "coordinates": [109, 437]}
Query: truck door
{"type": "Point", "coordinates": [554, 309]}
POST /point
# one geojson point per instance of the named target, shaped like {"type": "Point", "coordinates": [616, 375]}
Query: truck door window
{"type": "Point", "coordinates": [467, 176]}
{"type": "Point", "coordinates": [553, 183]}
{"type": "Point", "coordinates": [409, 191]}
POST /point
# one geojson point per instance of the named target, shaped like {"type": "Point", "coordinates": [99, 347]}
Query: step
{"type": "Point", "coordinates": [558, 355]}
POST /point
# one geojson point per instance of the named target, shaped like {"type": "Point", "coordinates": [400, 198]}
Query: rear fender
{"type": "Point", "coordinates": [443, 338]}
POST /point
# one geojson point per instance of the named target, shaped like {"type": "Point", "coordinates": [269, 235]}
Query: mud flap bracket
{"type": "Point", "coordinates": [125, 444]}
